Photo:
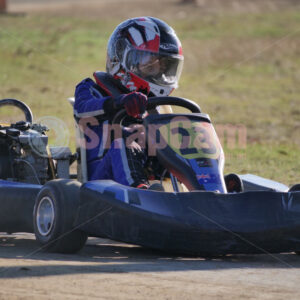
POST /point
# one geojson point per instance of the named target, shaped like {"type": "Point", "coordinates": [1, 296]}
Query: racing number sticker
{"type": "Point", "coordinates": [205, 139]}
{"type": "Point", "coordinates": [192, 139]}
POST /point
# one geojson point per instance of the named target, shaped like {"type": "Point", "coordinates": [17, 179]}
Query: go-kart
{"type": "Point", "coordinates": [197, 213]}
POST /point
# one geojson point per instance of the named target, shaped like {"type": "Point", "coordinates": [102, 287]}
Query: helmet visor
{"type": "Point", "coordinates": [160, 69]}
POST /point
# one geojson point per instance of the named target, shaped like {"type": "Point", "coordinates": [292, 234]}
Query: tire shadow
{"type": "Point", "coordinates": [107, 256]}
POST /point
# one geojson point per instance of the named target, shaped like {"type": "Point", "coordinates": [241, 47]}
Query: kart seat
{"type": "Point", "coordinates": [82, 174]}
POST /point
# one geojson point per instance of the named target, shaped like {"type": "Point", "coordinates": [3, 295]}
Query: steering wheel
{"type": "Point", "coordinates": [166, 100]}
{"type": "Point", "coordinates": [17, 103]}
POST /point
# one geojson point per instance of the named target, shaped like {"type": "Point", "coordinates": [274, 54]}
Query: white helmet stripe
{"type": "Point", "coordinates": [150, 34]}
{"type": "Point", "coordinates": [151, 29]}
{"type": "Point", "coordinates": [136, 36]}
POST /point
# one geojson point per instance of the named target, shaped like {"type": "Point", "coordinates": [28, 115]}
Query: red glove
{"type": "Point", "coordinates": [135, 103]}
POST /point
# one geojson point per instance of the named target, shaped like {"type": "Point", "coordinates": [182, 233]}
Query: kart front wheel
{"type": "Point", "coordinates": [54, 216]}
{"type": "Point", "coordinates": [295, 188]}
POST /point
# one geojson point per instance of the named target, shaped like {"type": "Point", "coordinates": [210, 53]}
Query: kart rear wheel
{"type": "Point", "coordinates": [54, 214]}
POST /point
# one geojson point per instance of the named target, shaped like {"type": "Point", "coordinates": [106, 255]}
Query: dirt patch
{"type": "Point", "coordinates": [110, 270]}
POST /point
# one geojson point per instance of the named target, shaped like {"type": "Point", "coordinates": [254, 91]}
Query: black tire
{"type": "Point", "coordinates": [295, 188]}
{"type": "Point", "coordinates": [55, 230]}
{"type": "Point", "coordinates": [234, 183]}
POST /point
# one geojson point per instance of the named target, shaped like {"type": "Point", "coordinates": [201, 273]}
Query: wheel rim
{"type": "Point", "coordinates": [45, 216]}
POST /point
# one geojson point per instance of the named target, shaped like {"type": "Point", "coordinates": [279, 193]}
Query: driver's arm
{"type": "Point", "coordinates": [89, 102]}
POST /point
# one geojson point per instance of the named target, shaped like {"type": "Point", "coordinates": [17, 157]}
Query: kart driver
{"type": "Point", "coordinates": [144, 59]}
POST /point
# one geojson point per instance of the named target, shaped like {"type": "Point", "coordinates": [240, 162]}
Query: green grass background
{"type": "Point", "coordinates": [242, 66]}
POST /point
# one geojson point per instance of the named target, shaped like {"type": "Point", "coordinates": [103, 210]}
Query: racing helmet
{"type": "Point", "coordinates": [145, 55]}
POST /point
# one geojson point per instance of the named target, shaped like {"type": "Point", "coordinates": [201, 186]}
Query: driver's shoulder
{"type": "Point", "coordinates": [86, 82]}
{"type": "Point", "coordinates": [87, 88]}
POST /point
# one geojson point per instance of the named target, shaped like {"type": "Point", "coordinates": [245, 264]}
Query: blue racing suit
{"type": "Point", "coordinates": [94, 104]}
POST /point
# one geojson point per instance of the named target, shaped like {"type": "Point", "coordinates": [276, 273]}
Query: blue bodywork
{"type": "Point", "coordinates": [16, 205]}
{"type": "Point", "coordinates": [200, 222]}
{"type": "Point", "coordinates": [197, 223]}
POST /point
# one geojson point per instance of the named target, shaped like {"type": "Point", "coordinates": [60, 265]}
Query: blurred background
{"type": "Point", "coordinates": [242, 66]}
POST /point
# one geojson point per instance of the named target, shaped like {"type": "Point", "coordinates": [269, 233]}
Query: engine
{"type": "Point", "coordinates": [23, 153]}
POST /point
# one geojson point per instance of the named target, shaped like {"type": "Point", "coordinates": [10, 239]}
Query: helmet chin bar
{"type": "Point", "coordinates": [134, 83]}
{"type": "Point", "coordinates": [158, 90]}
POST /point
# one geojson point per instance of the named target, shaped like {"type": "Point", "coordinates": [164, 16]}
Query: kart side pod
{"type": "Point", "coordinates": [198, 223]}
